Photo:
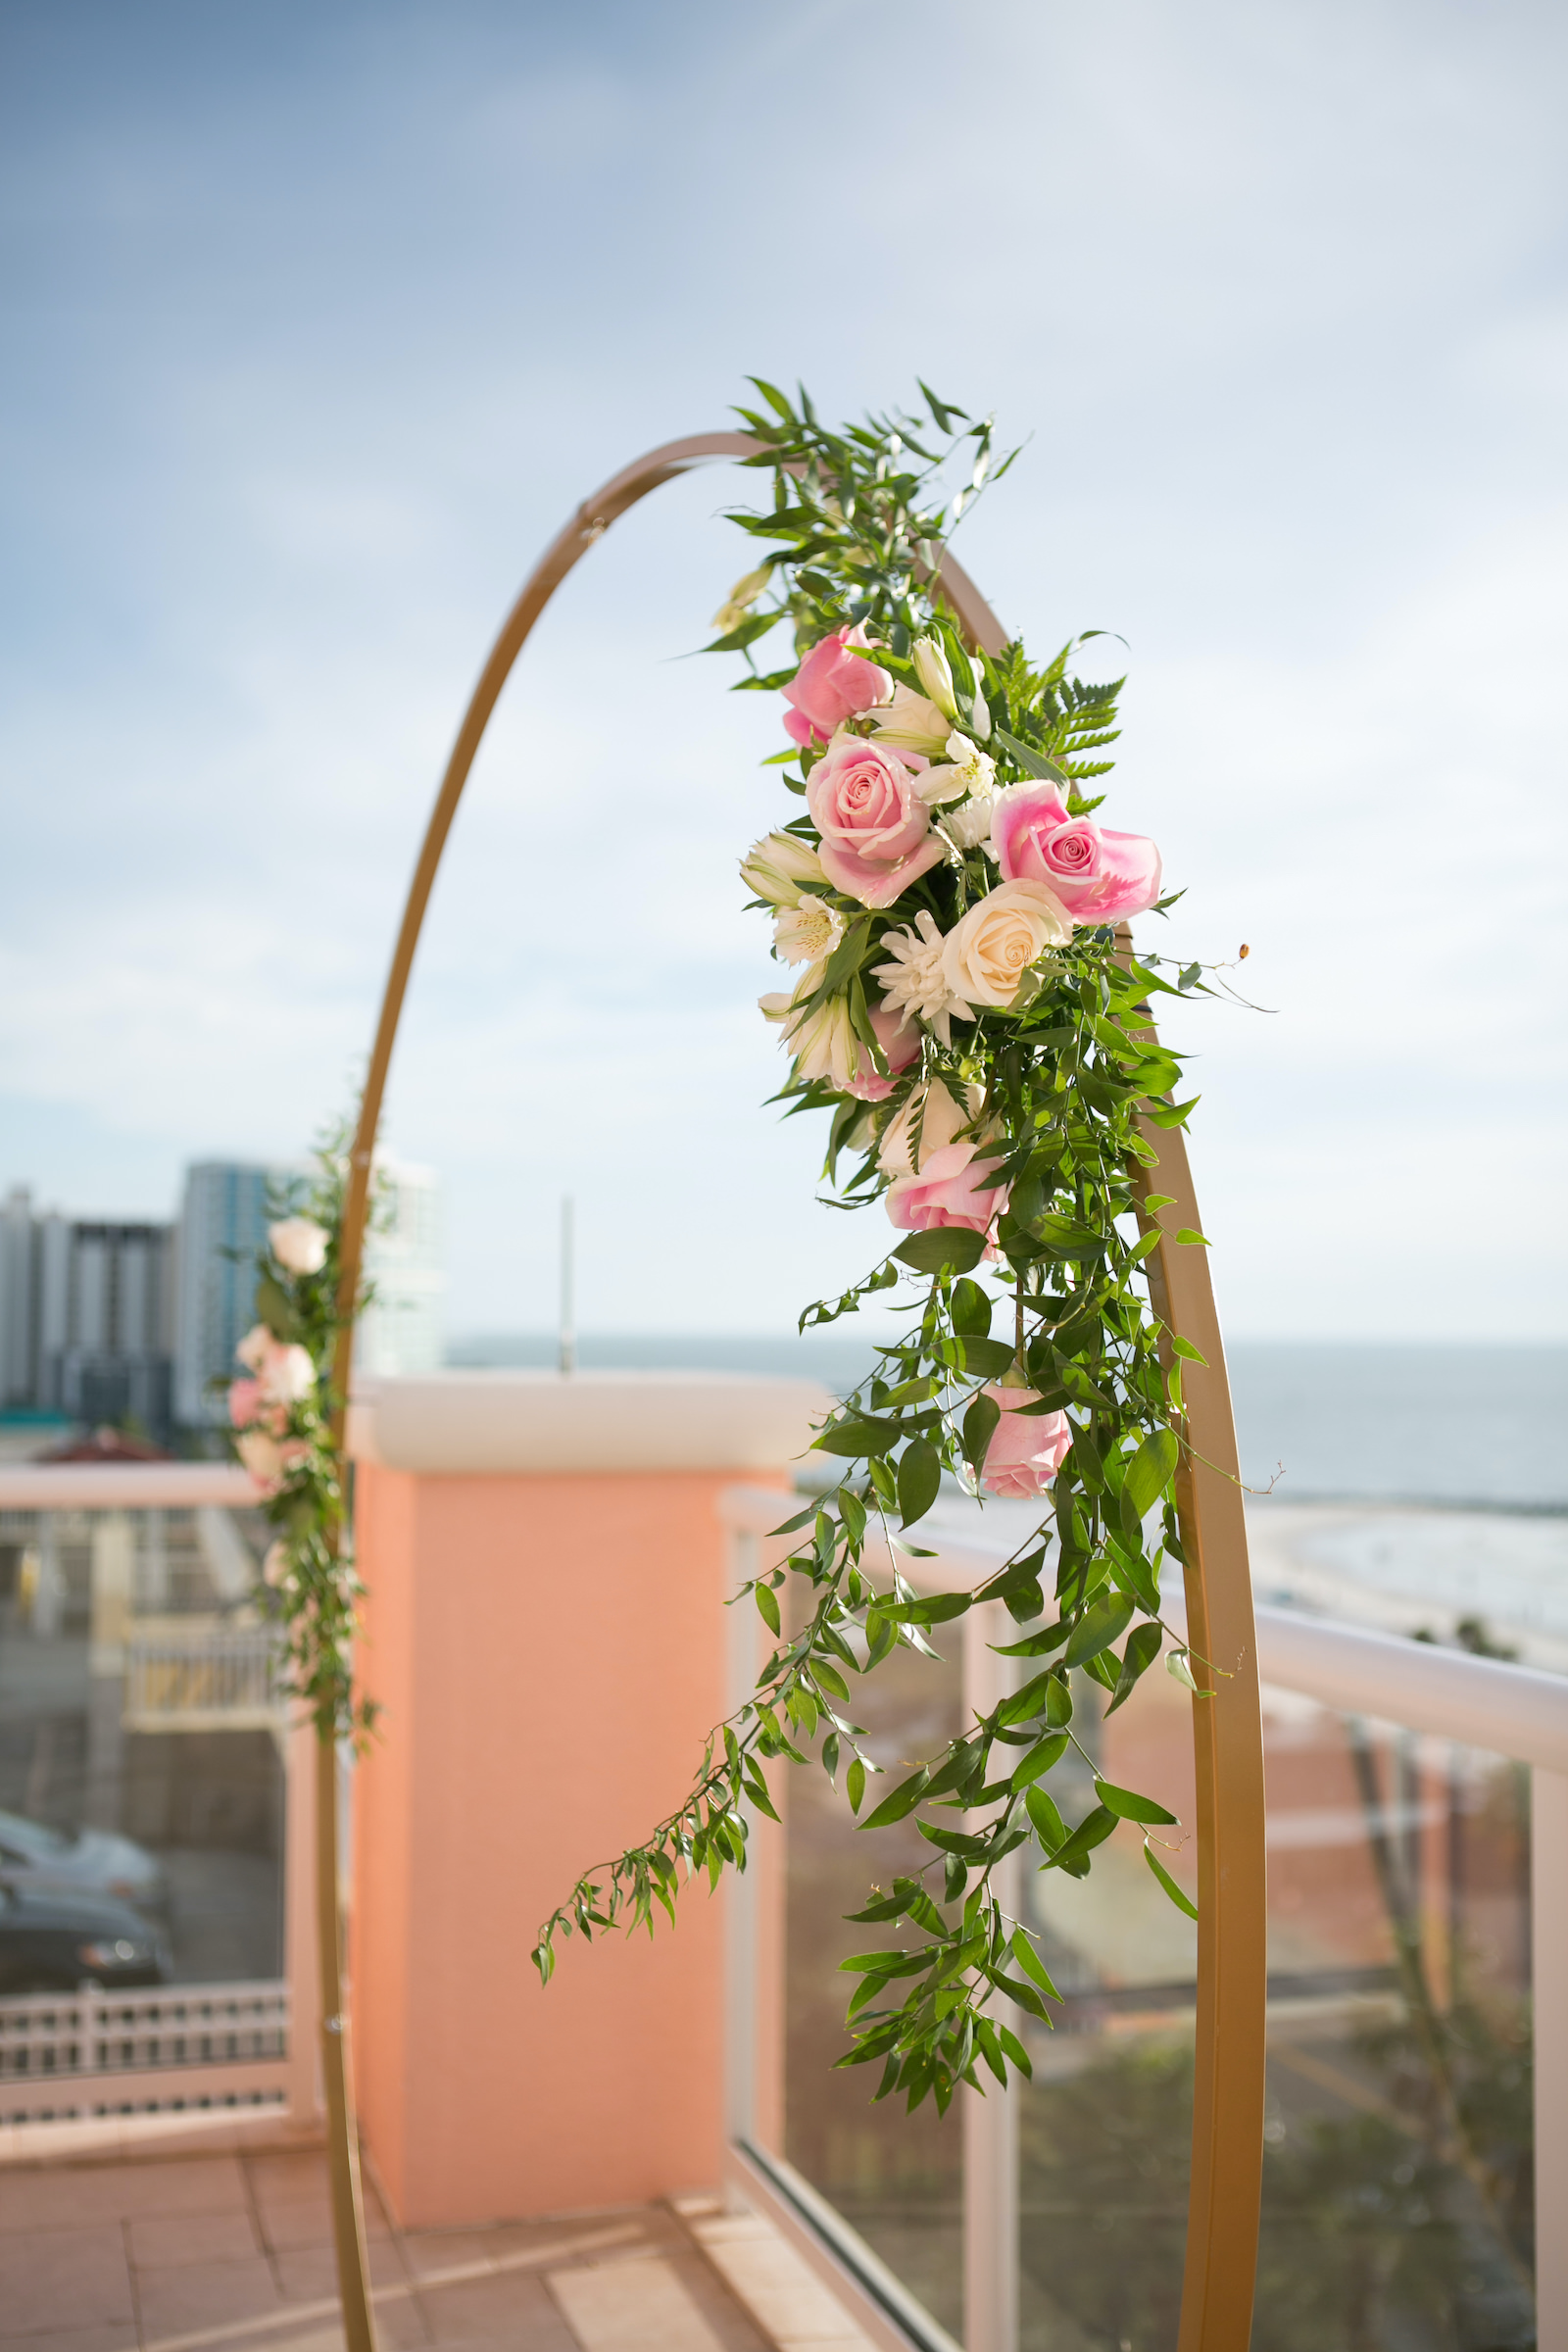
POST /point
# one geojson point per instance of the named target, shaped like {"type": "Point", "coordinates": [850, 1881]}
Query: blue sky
{"type": "Point", "coordinates": [319, 319]}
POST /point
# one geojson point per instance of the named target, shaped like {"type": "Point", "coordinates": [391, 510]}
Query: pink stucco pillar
{"type": "Point", "coordinates": [546, 1632]}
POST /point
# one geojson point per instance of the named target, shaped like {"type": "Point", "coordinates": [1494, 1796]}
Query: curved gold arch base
{"type": "Point", "coordinates": [1227, 1730]}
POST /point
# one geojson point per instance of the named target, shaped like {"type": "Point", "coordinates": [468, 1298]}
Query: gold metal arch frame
{"type": "Point", "coordinates": [1227, 1732]}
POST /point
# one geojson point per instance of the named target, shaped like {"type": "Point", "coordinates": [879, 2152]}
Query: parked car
{"type": "Point", "coordinates": [53, 1939]}
{"type": "Point", "coordinates": [90, 1861]}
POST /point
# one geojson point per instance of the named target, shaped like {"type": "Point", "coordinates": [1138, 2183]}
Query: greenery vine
{"type": "Point", "coordinates": [1014, 1115]}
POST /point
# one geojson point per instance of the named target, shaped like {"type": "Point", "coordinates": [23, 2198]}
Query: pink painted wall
{"type": "Point", "coordinates": [550, 1652]}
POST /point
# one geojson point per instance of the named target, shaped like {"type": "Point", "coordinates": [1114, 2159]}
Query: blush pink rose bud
{"type": "Point", "coordinates": [876, 830]}
{"type": "Point", "coordinates": [268, 1463]}
{"type": "Point", "coordinates": [953, 1187]}
{"type": "Point", "coordinates": [1026, 1449]}
{"type": "Point", "coordinates": [900, 1040]}
{"type": "Point", "coordinates": [1098, 876]}
{"type": "Point", "coordinates": [833, 683]}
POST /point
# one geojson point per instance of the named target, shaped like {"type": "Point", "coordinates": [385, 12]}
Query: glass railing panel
{"type": "Point", "coordinates": [1105, 2126]}
{"type": "Point", "coordinates": [897, 2179]}
{"type": "Point", "coordinates": [141, 1738]}
{"type": "Point", "coordinates": [1397, 2174]}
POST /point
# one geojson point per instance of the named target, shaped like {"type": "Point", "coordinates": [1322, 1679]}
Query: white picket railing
{"type": "Point", "coordinates": [93, 2052]}
{"type": "Point", "coordinates": [1507, 1710]}
{"type": "Point", "coordinates": [79, 2057]}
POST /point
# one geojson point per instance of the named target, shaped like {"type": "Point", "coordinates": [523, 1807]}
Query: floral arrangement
{"type": "Point", "coordinates": [968, 1013]}
{"type": "Point", "coordinates": [284, 1417]}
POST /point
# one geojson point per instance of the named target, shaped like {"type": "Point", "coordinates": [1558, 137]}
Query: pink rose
{"type": "Point", "coordinates": [248, 1403]}
{"type": "Point", "coordinates": [1026, 1449]}
{"type": "Point", "coordinates": [1098, 876]}
{"type": "Point", "coordinates": [951, 1189]}
{"type": "Point", "coordinates": [831, 685]}
{"type": "Point", "coordinates": [876, 830]}
{"type": "Point", "coordinates": [900, 1040]}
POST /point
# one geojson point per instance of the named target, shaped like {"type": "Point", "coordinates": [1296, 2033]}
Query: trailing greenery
{"type": "Point", "coordinates": [1037, 1309]}
{"type": "Point", "coordinates": [289, 1434]}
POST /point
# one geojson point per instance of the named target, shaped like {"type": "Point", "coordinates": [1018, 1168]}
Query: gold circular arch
{"type": "Point", "coordinates": [1227, 1730]}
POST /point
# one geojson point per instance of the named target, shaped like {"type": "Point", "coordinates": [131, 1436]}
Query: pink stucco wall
{"type": "Point", "coordinates": [550, 1652]}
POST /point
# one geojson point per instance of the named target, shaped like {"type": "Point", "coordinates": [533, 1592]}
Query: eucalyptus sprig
{"type": "Point", "coordinates": [1049, 1092]}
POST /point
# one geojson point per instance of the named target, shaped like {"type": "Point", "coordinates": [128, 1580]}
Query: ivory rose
{"type": "Point", "coordinates": [282, 1374]}
{"type": "Point", "coordinates": [299, 1245]}
{"type": "Point", "coordinates": [876, 831]}
{"type": "Point", "coordinates": [779, 867]}
{"type": "Point", "coordinates": [900, 1040]}
{"type": "Point", "coordinates": [985, 954]}
{"type": "Point", "coordinates": [1098, 876]}
{"type": "Point", "coordinates": [1026, 1449]}
{"type": "Point", "coordinates": [833, 683]}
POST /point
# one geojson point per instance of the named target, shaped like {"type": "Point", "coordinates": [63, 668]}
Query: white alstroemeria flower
{"type": "Point", "coordinates": [915, 981]}
{"type": "Point", "coordinates": [808, 931]}
{"type": "Point", "coordinates": [965, 770]}
{"type": "Point", "coordinates": [823, 1043]}
{"type": "Point", "coordinates": [779, 867]}
{"type": "Point", "coordinates": [908, 722]}
{"type": "Point", "coordinates": [740, 600]}
{"type": "Point", "coordinates": [932, 669]}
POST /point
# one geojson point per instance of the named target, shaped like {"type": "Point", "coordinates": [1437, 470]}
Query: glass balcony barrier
{"type": "Point", "coordinates": [150, 1854]}
{"type": "Point", "coordinates": [1417, 1835]}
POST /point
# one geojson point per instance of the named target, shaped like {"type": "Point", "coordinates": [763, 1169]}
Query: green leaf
{"type": "Point", "coordinates": [1100, 1626]}
{"type": "Point", "coordinates": [1186, 1348]}
{"type": "Point", "coordinates": [947, 1248]}
{"type": "Point", "coordinates": [920, 1480]}
{"type": "Point", "coordinates": [1180, 1900]}
{"type": "Point", "coordinates": [989, 1357]}
{"type": "Point", "coordinates": [1192, 1236]}
{"type": "Point", "coordinates": [854, 1784]}
{"type": "Point", "coordinates": [1029, 1960]}
{"type": "Point", "coordinates": [934, 1610]}
{"type": "Point", "coordinates": [1034, 763]}
{"type": "Point", "coordinates": [774, 397]}
{"type": "Point", "coordinates": [1142, 1648]}
{"type": "Point", "coordinates": [858, 1439]}
{"type": "Point", "coordinates": [970, 1309]}
{"type": "Point", "coordinates": [745, 632]}
{"type": "Point", "coordinates": [1148, 1473]}
{"type": "Point", "coordinates": [1049, 1827]}
{"type": "Point", "coordinates": [903, 1799]}
{"type": "Point", "coordinates": [979, 1427]}
{"type": "Point", "coordinates": [1038, 1760]}
{"type": "Point", "coordinates": [1128, 1805]}
{"type": "Point", "coordinates": [275, 1309]}
{"type": "Point", "coordinates": [1092, 1830]}
{"type": "Point", "coordinates": [768, 1606]}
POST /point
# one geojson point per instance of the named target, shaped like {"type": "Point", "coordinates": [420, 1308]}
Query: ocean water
{"type": "Point", "coordinates": [1447, 1424]}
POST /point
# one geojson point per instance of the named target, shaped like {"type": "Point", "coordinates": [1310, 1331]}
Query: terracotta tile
{"type": "Point", "coordinates": [160, 2240]}
{"type": "Point", "coordinates": [67, 2196]}
{"type": "Point", "coordinates": [436, 2254]}
{"type": "Point", "coordinates": [310, 2278]}
{"type": "Point", "coordinates": [118, 2336]}
{"type": "Point", "coordinates": [638, 2305]}
{"type": "Point", "coordinates": [59, 2279]}
{"type": "Point", "coordinates": [516, 2311]}
{"type": "Point", "coordinates": [205, 2295]}
{"type": "Point", "coordinates": [289, 2173]}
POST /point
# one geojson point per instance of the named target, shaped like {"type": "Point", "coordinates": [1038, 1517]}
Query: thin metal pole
{"type": "Point", "coordinates": [568, 1325]}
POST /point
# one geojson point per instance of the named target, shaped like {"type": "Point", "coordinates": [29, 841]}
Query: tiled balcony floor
{"type": "Point", "coordinates": [232, 2253]}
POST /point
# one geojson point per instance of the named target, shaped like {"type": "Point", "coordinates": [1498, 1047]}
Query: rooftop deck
{"type": "Point", "coordinates": [231, 2252]}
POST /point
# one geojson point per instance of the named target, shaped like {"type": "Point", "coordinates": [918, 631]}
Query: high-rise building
{"type": "Point", "coordinates": [403, 1329]}
{"type": "Point", "coordinates": [223, 1224]}
{"type": "Point", "coordinates": [86, 1316]}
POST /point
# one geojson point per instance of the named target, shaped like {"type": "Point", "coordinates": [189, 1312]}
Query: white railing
{"type": "Point", "coordinates": [1511, 1711]}
{"type": "Point", "coordinates": [70, 2055]}
{"type": "Point", "coordinates": [78, 2057]}
{"type": "Point", "coordinates": [207, 1680]}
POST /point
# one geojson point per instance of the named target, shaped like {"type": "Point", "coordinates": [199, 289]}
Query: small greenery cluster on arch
{"type": "Point", "coordinates": [969, 1012]}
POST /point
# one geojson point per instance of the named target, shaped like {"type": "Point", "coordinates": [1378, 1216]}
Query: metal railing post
{"type": "Point", "coordinates": [1548, 1935]}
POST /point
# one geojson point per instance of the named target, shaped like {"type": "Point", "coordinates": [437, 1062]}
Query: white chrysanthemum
{"type": "Point", "coordinates": [967, 827]}
{"type": "Point", "coordinates": [807, 932]}
{"type": "Point", "coordinates": [916, 980]}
